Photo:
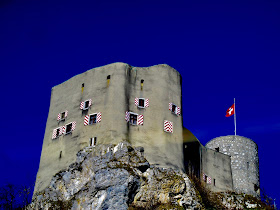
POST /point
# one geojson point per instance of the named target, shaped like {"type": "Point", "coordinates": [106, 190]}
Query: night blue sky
{"type": "Point", "coordinates": [223, 49]}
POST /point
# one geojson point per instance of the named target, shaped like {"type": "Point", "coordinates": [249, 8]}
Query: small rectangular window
{"type": "Point", "coordinates": [92, 141]}
{"type": "Point", "coordinates": [56, 132]}
{"type": "Point", "coordinates": [92, 119]}
{"type": "Point", "coordinates": [62, 115]}
{"type": "Point", "coordinates": [86, 106]}
{"type": "Point", "coordinates": [83, 86]}
{"type": "Point", "coordinates": [133, 119]}
{"type": "Point", "coordinates": [174, 108]}
{"type": "Point", "coordinates": [214, 182]}
{"type": "Point", "coordinates": [68, 128]}
{"type": "Point", "coordinates": [141, 103]}
{"type": "Point", "coordinates": [248, 165]}
{"type": "Point", "coordinates": [108, 80]}
{"type": "Point", "coordinates": [205, 179]}
{"type": "Point", "coordinates": [217, 149]}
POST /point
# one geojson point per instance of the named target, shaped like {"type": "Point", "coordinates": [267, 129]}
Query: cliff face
{"type": "Point", "coordinates": [116, 177]}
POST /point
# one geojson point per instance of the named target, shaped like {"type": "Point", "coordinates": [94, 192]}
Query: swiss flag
{"type": "Point", "coordinates": [230, 111]}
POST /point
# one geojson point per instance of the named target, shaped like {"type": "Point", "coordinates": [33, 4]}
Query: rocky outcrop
{"type": "Point", "coordinates": [116, 177]}
{"type": "Point", "coordinates": [232, 200]}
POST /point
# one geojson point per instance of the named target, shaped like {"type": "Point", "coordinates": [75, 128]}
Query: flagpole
{"type": "Point", "coordinates": [234, 119]}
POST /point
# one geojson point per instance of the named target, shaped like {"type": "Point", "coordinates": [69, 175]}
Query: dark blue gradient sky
{"type": "Point", "coordinates": [223, 49]}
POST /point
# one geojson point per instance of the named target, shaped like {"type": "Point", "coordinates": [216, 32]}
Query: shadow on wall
{"type": "Point", "coordinates": [191, 146]}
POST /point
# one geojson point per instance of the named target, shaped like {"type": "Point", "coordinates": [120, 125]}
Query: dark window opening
{"type": "Point", "coordinates": [92, 141]}
{"type": "Point", "coordinates": [214, 182]}
{"type": "Point", "coordinates": [205, 179]}
{"type": "Point", "coordinates": [133, 119]}
{"type": "Point", "coordinates": [142, 84]}
{"type": "Point", "coordinates": [248, 165]}
{"type": "Point", "coordinates": [141, 102]}
{"type": "Point", "coordinates": [174, 108]}
{"type": "Point", "coordinates": [92, 119]}
{"type": "Point", "coordinates": [217, 149]}
{"type": "Point", "coordinates": [60, 155]}
{"type": "Point", "coordinates": [86, 105]}
{"type": "Point", "coordinates": [68, 128]}
{"type": "Point", "coordinates": [83, 85]}
{"type": "Point", "coordinates": [108, 80]}
{"type": "Point", "coordinates": [57, 132]}
{"type": "Point", "coordinates": [256, 187]}
{"type": "Point", "coordinates": [62, 115]}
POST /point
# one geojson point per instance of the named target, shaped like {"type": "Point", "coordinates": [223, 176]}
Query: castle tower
{"type": "Point", "coordinates": [244, 161]}
{"type": "Point", "coordinates": [110, 104]}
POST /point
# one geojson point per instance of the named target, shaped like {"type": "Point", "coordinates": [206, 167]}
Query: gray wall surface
{"type": "Point", "coordinates": [217, 166]}
{"type": "Point", "coordinates": [162, 85]}
{"type": "Point", "coordinates": [244, 161]}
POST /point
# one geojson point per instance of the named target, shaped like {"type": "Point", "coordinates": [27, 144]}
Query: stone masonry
{"type": "Point", "coordinates": [244, 161]}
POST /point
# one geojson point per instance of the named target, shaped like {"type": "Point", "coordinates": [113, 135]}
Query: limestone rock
{"type": "Point", "coordinates": [116, 177]}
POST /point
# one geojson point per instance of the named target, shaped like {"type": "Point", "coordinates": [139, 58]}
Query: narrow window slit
{"type": "Point", "coordinates": [92, 141]}
{"type": "Point", "coordinates": [83, 85]}
{"type": "Point", "coordinates": [108, 80]}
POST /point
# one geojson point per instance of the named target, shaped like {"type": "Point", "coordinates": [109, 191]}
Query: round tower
{"type": "Point", "coordinates": [244, 161]}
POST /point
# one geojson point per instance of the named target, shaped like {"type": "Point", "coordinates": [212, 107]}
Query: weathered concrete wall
{"type": "Point", "coordinates": [244, 161]}
{"type": "Point", "coordinates": [217, 166]}
{"type": "Point", "coordinates": [162, 85]}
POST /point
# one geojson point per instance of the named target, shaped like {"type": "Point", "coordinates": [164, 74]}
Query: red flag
{"type": "Point", "coordinates": [230, 111]}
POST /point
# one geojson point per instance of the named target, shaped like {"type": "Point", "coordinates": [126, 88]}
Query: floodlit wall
{"type": "Point", "coordinates": [112, 93]}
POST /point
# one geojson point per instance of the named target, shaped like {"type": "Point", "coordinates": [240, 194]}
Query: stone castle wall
{"type": "Point", "coordinates": [112, 90]}
{"type": "Point", "coordinates": [217, 167]}
{"type": "Point", "coordinates": [244, 161]}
